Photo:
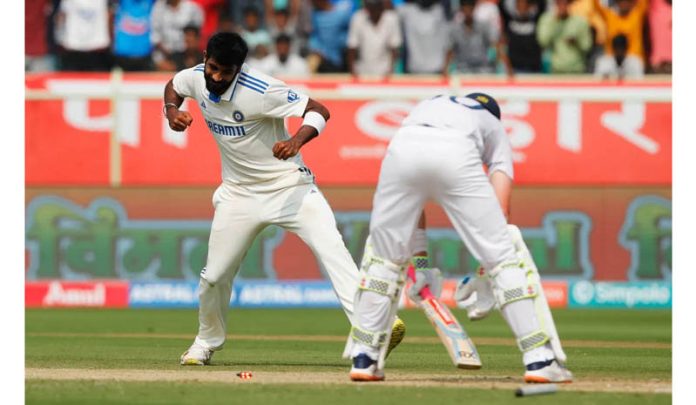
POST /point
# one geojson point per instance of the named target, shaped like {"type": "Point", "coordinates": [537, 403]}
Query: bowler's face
{"type": "Point", "coordinates": [218, 77]}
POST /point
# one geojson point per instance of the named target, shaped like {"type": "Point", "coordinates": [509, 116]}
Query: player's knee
{"type": "Point", "coordinates": [211, 275]}
{"type": "Point", "coordinates": [510, 282]}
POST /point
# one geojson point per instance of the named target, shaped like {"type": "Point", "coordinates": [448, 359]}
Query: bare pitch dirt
{"type": "Point", "coordinates": [393, 379]}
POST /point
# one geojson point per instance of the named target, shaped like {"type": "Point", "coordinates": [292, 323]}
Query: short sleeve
{"type": "Point", "coordinates": [395, 39]}
{"type": "Point", "coordinates": [353, 37]}
{"type": "Point", "coordinates": [280, 101]}
{"type": "Point", "coordinates": [184, 82]}
{"type": "Point", "coordinates": [497, 154]}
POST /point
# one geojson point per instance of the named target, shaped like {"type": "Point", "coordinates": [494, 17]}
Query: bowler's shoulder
{"type": "Point", "coordinates": [256, 81]}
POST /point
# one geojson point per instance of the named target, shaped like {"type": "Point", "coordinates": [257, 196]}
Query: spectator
{"type": "Point", "coordinates": [212, 10]}
{"type": "Point", "coordinates": [169, 18]}
{"type": "Point", "coordinates": [192, 54]}
{"type": "Point", "coordinates": [327, 41]}
{"type": "Point", "coordinates": [425, 36]}
{"type": "Point", "coordinates": [36, 54]}
{"type": "Point", "coordinates": [626, 20]}
{"type": "Point", "coordinates": [226, 24]}
{"type": "Point", "coordinates": [568, 38]}
{"type": "Point", "coordinates": [661, 36]}
{"type": "Point", "coordinates": [619, 64]}
{"type": "Point", "coordinates": [471, 41]}
{"type": "Point", "coordinates": [292, 7]}
{"type": "Point", "coordinates": [237, 7]}
{"type": "Point", "coordinates": [258, 39]}
{"type": "Point", "coordinates": [598, 28]}
{"type": "Point", "coordinates": [586, 9]}
{"type": "Point", "coordinates": [374, 39]}
{"type": "Point", "coordinates": [283, 62]}
{"type": "Point", "coordinates": [487, 12]}
{"type": "Point", "coordinates": [520, 18]}
{"type": "Point", "coordinates": [280, 23]}
{"type": "Point", "coordinates": [132, 46]}
{"type": "Point", "coordinates": [83, 33]}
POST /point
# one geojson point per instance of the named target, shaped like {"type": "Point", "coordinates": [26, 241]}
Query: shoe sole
{"type": "Point", "coordinates": [365, 377]}
{"type": "Point", "coordinates": [192, 362]}
{"type": "Point", "coordinates": [397, 336]}
{"type": "Point", "coordinates": [542, 380]}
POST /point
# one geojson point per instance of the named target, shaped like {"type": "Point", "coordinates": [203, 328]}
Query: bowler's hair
{"type": "Point", "coordinates": [227, 48]}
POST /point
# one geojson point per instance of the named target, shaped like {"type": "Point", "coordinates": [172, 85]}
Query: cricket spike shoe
{"type": "Point", "coordinates": [196, 355]}
{"type": "Point", "coordinates": [547, 372]}
{"type": "Point", "coordinates": [397, 335]}
{"type": "Point", "coordinates": [365, 369]}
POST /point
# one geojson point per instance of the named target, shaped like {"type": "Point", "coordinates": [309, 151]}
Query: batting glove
{"type": "Point", "coordinates": [431, 278]}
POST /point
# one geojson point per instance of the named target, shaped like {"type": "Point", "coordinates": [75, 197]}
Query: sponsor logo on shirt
{"type": "Point", "coordinates": [238, 116]}
{"type": "Point", "coordinates": [292, 96]}
{"type": "Point", "coordinates": [226, 130]}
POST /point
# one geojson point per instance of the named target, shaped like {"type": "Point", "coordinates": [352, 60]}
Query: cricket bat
{"type": "Point", "coordinates": [459, 346]}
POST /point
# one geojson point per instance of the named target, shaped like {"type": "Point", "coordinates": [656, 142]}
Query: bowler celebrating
{"type": "Point", "coordinates": [264, 180]}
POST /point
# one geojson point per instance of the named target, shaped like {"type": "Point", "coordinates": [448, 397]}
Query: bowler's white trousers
{"type": "Point", "coordinates": [240, 215]}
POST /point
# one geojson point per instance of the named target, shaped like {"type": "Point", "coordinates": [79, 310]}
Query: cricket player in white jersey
{"type": "Point", "coordinates": [264, 180]}
{"type": "Point", "coordinates": [439, 154]}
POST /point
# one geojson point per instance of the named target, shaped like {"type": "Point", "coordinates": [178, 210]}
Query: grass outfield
{"type": "Point", "coordinates": [131, 356]}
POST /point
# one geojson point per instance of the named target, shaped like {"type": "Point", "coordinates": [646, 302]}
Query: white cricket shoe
{"type": "Point", "coordinates": [196, 355]}
{"type": "Point", "coordinates": [365, 369]}
{"type": "Point", "coordinates": [547, 372]}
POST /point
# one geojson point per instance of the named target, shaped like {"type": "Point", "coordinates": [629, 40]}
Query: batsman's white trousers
{"type": "Point", "coordinates": [425, 163]}
{"type": "Point", "coordinates": [239, 217]}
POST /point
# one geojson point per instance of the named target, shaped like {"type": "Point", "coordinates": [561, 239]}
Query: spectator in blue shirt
{"type": "Point", "coordinates": [132, 46]}
{"type": "Point", "coordinates": [327, 41]}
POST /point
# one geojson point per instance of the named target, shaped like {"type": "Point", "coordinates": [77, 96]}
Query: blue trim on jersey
{"type": "Point", "coordinates": [252, 79]}
{"type": "Point", "coordinates": [213, 97]}
{"type": "Point", "coordinates": [251, 86]}
{"type": "Point", "coordinates": [473, 107]}
{"type": "Point", "coordinates": [234, 88]}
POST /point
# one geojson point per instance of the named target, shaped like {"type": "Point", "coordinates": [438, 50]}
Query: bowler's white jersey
{"type": "Point", "coordinates": [466, 117]}
{"type": "Point", "coordinates": [246, 121]}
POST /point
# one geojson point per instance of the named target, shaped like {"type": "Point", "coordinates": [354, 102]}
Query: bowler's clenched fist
{"type": "Point", "coordinates": [179, 120]}
{"type": "Point", "coordinates": [286, 149]}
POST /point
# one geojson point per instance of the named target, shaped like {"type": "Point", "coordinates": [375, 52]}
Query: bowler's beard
{"type": "Point", "coordinates": [217, 88]}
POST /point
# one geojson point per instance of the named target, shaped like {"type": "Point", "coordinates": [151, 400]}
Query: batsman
{"type": "Point", "coordinates": [439, 154]}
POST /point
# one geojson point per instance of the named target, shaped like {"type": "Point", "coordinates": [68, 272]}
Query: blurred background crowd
{"type": "Point", "coordinates": [366, 38]}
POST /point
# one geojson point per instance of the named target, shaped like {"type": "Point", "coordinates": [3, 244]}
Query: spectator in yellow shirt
{"type": "Point", "coordinates": [628, 20]}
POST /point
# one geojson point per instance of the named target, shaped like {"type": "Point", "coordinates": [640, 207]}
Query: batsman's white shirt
{"type": "Point", "coordinates": [439, 154]}
{"type": "Point", "coordinates": [246, 121]}
{"type": "Point", "coordinates": [259, 190]}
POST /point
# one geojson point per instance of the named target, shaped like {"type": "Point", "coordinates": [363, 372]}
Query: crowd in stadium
{"type": "Point", "coordinates": [375, 38]}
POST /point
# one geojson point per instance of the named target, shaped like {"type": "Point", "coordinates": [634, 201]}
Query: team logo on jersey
{"type": "Point", "coordinates": [292, 96]}
{"type": "Point", "coordinates": [238, 116]}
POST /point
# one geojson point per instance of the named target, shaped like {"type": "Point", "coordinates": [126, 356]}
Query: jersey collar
{"type": "Point", "coordinates": [230, 92]}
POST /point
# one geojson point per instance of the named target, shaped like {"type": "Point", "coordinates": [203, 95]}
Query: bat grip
{"type": "Point", "coordinates": [425, 291]}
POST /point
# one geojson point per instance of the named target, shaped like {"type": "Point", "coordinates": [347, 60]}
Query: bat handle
{"type": "Point", "coordinates": [425, 291]}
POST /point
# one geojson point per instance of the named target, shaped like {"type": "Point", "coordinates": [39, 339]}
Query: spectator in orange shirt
{"type": "Point", "coordinates": [629, 20]}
